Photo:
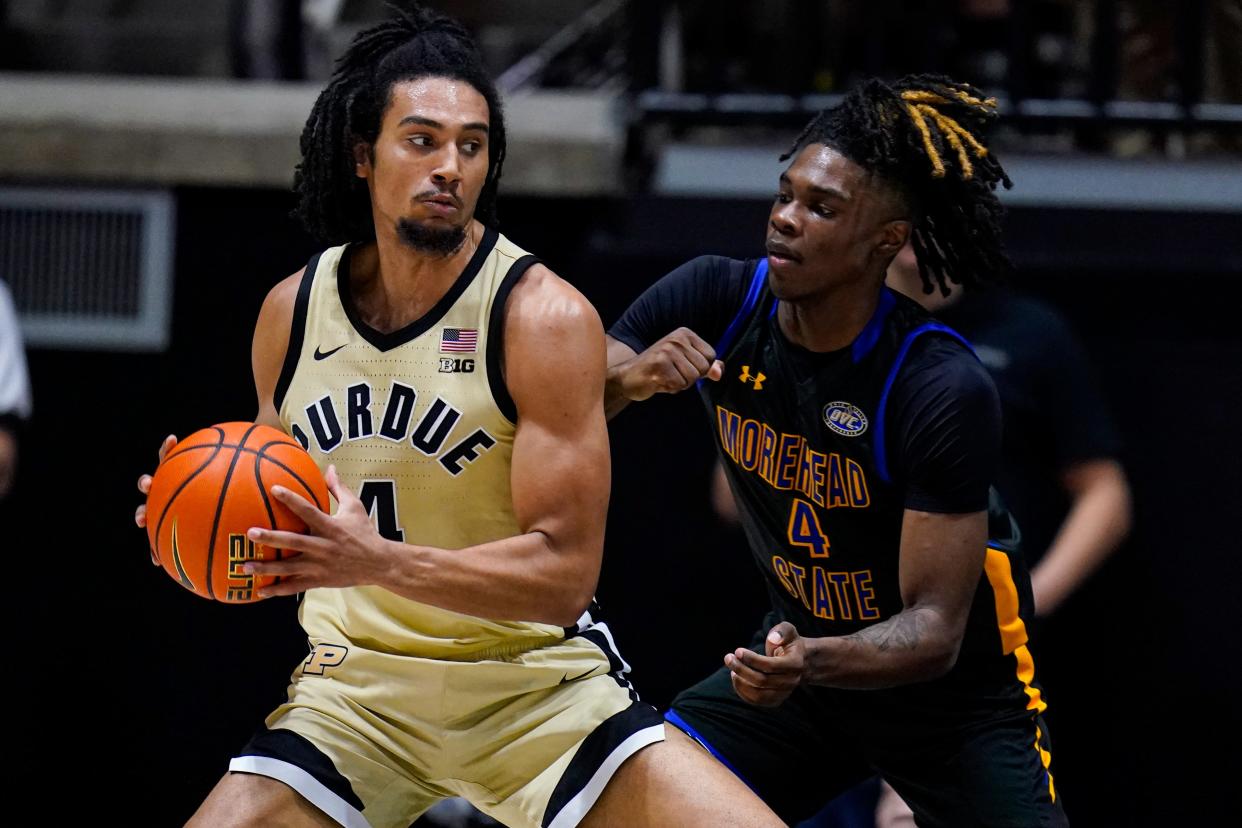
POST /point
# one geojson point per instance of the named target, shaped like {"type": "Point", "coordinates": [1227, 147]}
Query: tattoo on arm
{"type": "Point", "coordinates": [904, 631]}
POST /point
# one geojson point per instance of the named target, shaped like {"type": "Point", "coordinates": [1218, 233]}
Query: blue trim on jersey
{"type": "Point", "coordinates": [865, 342]}
{"type": "Point", "coordinates": [680, 723]}
{"type": "Point", "coordinates": [881, 454]}
{"type": "Point", "coordinates": [752, 297]}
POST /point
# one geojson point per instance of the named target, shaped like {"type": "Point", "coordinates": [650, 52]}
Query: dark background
{"type": "Point", "coordinates": [131, 694]}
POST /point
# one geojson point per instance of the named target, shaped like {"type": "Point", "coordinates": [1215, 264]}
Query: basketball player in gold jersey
{"type": "Point", "coordinates": [452, 389]}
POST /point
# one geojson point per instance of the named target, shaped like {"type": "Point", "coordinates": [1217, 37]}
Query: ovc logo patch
{"type": "Point", "coordinates": [845, 419]}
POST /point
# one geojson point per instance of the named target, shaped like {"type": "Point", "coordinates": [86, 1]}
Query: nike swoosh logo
{"type": "Point", "coordinates": [567, 679]}
{"type": "Point", "coordinates": [324, 355]}
{"type": "Point", "coordinates": [176, 553]}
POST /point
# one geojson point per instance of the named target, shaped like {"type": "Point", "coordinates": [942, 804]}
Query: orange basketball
{"type": "Point", "coordinates": [212, 487]}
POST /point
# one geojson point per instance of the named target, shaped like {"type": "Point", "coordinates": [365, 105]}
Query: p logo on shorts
{"type": "Point", "coordinates": [324, 657]}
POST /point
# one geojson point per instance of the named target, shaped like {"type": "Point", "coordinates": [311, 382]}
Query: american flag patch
{"type": "Point", "coordinates": [459, 340]}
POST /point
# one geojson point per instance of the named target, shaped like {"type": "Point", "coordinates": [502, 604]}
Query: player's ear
{"type": "Point", "coordinates": [364, 159]}
{"type": "Point", "coordinates": [893, 236]}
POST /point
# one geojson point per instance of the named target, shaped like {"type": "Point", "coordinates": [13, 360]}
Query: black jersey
{"type": "Point", "coordinates": [808, 449]}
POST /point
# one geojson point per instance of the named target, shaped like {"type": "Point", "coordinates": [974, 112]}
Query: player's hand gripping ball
{"type": "Point", "coordinates": [212, 487]}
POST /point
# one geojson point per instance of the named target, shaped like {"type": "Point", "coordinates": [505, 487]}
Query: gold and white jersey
{"type": "Point", "coordinates": [419, 424]}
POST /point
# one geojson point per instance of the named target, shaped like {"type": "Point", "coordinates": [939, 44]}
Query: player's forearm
{"type": "Point", "coordinates": [523, 578]}
{"type": "Point", "coordinates": [619, 390]}
{"type": "Point", "coordinates": [671, 365]}
{"type": "Point", "coordinates": [1096, 524]}
{"type": "Point", "coordinates": [614, 394]}
{"type": "Point", "coordinates": [914, 645]}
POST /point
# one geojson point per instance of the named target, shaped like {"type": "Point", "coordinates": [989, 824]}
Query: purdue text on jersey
{"type": "Point", "coordinates": [429, 435]}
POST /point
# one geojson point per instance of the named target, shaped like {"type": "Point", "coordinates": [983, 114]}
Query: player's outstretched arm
{"type": "Point", "coordinates": [672, 364]}
{"type": "Point", "coordinates": [554, 370]}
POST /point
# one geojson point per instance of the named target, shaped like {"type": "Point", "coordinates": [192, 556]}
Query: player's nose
{"type": "Point", "coordinates": [783, 223]}
{"type": "Point", "coordinates": [447, 172]}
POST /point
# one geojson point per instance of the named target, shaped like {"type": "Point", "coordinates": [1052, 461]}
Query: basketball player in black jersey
{"type": "Point", "coordinates": [860, 438]}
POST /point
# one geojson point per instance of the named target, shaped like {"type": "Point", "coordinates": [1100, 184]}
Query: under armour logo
{"type": "Point", "coordinates": [757, 379]}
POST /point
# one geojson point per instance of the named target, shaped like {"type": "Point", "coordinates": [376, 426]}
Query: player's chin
{"type": "Point", "coordinates": [432, 223]}
{"type": "Point", "coordinates": [786, 290]}
{"type": "Point", "coordinates": [441, 235]}
{"type": "Point", "coordinates": [785, 282]}
{"type": "Point", "coordinates": [453, 219]}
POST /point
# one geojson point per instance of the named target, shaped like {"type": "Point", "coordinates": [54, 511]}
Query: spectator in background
{"type": "Point", "coordinates": [266, 39]}
{"type": "Point", "coordinates": [1059, 475]}
{"type": "Point", "coordinates": [14, 390]}
{"type": "Point", "coordinates": [1179, 52]}
{"type": "Point", "coordinates": [1224, 52]}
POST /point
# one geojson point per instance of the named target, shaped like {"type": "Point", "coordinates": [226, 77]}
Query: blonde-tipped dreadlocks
{"type": "Point", "coordinates": [923, 136]}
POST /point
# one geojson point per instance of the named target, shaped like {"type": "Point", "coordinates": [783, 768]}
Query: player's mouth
{"type": "Point", "coordinates": [442, 205]}
{"type": "Point", "coordinates": [780, 253]}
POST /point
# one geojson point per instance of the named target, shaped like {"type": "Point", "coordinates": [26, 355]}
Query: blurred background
{"type": "Point", "coordinates": [146, 155]}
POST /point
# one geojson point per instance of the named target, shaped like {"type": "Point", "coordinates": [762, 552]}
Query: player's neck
{"type": "Point", "coordinates": [393, 284]}
{"type": "Point", "coordinates": [831, 320]}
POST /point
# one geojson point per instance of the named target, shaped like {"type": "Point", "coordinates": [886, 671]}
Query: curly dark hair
{"type": "Point", "coordinates": [923, 137]}
{"type": "Point", "coordinates": [333, 203]}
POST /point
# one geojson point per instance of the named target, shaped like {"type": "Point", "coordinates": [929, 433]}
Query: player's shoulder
{"type": "Point", "coordinates": [553, 344]}
{"type": "Point", "coordinates": [946, 364]}
{"type": "Point", "coordinates": [722, 271]}
{"type": "Point", "coordinates": [542, 303]}
{"type": "Point", "coordinates": [721, 265]}
{"type": "Point", "coordinates": [285, 292]}
{"type": "Point", "coordinates": [932, 341]}
{"type": "Point", "coordinates": [273, 334]}
{"type": "Point", "coordinates": [710, 284]}
{"type": "Point", "coordinates": [278, 305]}
{"type": "Point", "coordinates": [322, 265]}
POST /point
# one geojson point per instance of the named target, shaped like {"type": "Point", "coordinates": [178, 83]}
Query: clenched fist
{"type": "Point", "coordinates": [672, 364]}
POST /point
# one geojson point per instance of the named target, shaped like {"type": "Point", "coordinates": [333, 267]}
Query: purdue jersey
{"type": "Point", "coordinates": [420, 426]}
